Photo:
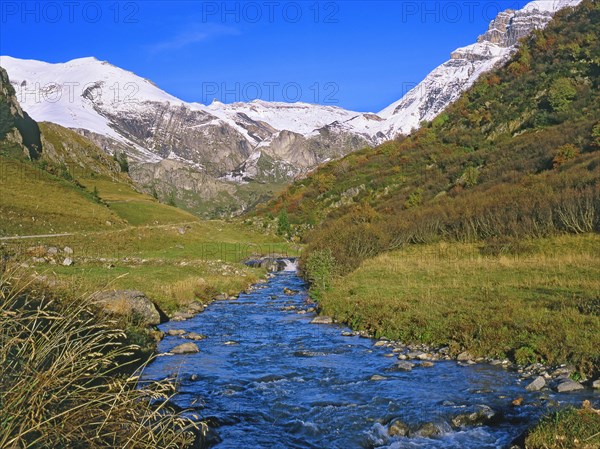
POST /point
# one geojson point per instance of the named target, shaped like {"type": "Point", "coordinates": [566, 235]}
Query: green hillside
{"type": "Point", "coordinates": [516, 156]}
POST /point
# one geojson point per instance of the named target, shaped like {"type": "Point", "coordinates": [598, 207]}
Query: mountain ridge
{"type": "Point", "coordinates": [257, 141]}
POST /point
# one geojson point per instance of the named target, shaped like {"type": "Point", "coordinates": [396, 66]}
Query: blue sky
{"type": "Point", "coordinates": [353, 54]}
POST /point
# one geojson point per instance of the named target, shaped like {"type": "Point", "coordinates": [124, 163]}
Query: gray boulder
{"type": "Point", "coordinates": [129, 303]}
{"type": "Point", "coordinates": [537, 384]}
{"type": "Point", "coordinates": [403, 366]}
{"type": "Point", "coordinates": [194, 336]}
{"type": "Point", "coordinates": [427, 430]}
{"type": "Point", "coordinates": [398, 429]}
{"type": "Point", "coordinates": [568, 385]}
{"type": "Point", "coordinates": [185, 348]}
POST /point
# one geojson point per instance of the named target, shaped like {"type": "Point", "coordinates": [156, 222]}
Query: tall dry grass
{"type": "Point", "coordinates": [61, 381]}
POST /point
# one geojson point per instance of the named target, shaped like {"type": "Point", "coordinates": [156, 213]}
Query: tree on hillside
{"type": "Point", "coordinates": [283, 224]}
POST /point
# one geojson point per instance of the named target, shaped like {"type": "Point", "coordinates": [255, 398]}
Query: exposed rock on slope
{"type": "Point", "coordinates": [15, 124]}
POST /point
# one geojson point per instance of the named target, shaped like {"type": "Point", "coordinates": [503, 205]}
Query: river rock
{"type": "Point", "coordinates": [221, 297]}
{"type": "Point", "coordinates": [427, 364]}
{"type": "Point", "coordinates": [347, 334]}
{"type": "Point", "coordinates": [185, 348]}
{"type": "Point", "coordinates": [427, 430]}
{"type": "Point", "coordinates": [398, 429]}
{"type": "Point", "coordinates": [482, 415]}
{"type": "Point", "coordinates": [596, 384]}
{"type": "Point", "coordinates": [380, 343]}
{"type": "Point", "coordinates": [378, 377]}
{"type": "Point", "coordinates": [175, 332]}
{"type": "Point", "coordinates": [289, 291]}
{"type": "Point", "coordinates": [568, 385]}
{"type": "Point", "coordinates": [196, 307]}
{"type": "Point", "coordinates": [403, 366]}
{"type": "Point", "coordinates": [129, 303]}
{"type": "Point", "coordinates": [194, 336]}
{"type": "Point", "coordinates": [322, 319]}
{"type": "Point", "coordinates": [564, 371]}
{"type": "Point", "coordinates": [537, 384]}
{"type": "Point", "coordinates": [181, 316]}
{"type": "Point", "coordinates": [464, 357]}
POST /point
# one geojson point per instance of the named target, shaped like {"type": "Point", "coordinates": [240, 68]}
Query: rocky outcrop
{"type": "Point", "coordinates": [185, 348]}
{"type": "Point", "coordinates": [16, 126]}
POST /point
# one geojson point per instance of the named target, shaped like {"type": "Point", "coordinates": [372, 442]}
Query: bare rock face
{"type": "Point", "coordinates": [16, 125]}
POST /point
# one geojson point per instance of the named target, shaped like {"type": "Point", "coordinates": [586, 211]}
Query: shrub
{"type": "Point", "coordinates": [564, 154]}
{"type": "Point", "coordinates": [319, 268]}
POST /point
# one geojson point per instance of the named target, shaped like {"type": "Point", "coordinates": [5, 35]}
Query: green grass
{"type": "Point", "coordinates": [567, 429]}
{"type": "Point", "coordinates": [541, 304]}
{"type": "Point", "coordinates": [173, 264]}
{"type": "Point", "coordinates": [36, 202]}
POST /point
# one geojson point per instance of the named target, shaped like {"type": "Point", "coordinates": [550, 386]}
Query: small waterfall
{"type": "Point", "coordinates": [289, 265]}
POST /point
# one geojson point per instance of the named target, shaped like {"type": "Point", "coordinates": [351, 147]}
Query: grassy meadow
{"type": "Point", "coordinates": [537, 301]}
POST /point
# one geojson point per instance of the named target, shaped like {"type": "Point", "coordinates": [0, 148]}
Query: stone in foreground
{"type": "Point", "coordinates": [129, 303]}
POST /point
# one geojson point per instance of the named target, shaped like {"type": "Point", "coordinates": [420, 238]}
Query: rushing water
{"type": "Point", "coordinates": [267, 378]}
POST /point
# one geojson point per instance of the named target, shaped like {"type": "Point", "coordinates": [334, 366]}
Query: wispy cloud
{"type": "Point", "coordinates": [186, 38]}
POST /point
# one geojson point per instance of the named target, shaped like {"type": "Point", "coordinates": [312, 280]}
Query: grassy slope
{"type": "Point", "coordinates": [539, 305]}
{"type": "Point", "coordinates": [34, 201]}
{"type": "Point", "coordinates": [123, 238]}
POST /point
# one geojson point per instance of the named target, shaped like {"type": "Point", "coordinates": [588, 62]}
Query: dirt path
{"type": "Point", "coordinates": [67, 234]}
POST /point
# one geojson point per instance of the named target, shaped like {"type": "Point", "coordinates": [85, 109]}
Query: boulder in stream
{"type": "Point", "coordinates": [398, 429]}
{"type": "Point", "coordinates": [482, 415]}
{"type": "Point", "coordinates": [185, 348]}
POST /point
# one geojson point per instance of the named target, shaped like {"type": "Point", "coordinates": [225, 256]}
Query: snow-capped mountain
{"type": "Point", "coordinates": [240, 142]}
{"type": "Point", "coordinates": [447, 82]}
{"type": "Point", "coordinates": [126, 112]}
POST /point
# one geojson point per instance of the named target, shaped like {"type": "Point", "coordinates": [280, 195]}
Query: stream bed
{"type": "Point", "coordinates": [265, 377]}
